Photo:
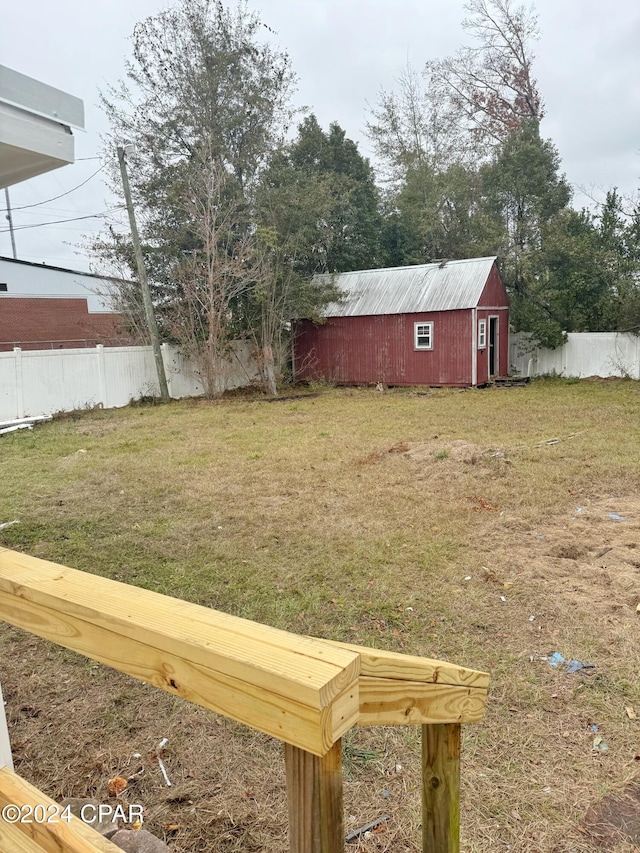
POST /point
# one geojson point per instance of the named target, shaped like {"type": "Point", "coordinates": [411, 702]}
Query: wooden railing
{"type": "Point", "coordinates": [304, 691]}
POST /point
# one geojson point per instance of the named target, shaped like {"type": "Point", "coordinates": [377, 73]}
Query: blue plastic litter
{"type": "Point", "coordinates": [615, 517]}
{"type": "Point", "coordinates": [593, 728]}
{"type": "Point", "coordinates": [577, 666]}
{"type": "Point", "coordinates": [557, 660]}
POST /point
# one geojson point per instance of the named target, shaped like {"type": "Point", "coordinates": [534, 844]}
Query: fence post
{"type": "Point", "coordinates": [102, 385]}
{"type": "Point", "coordinates": [441, 788]}
{"type": "Point", "coordinates": [5, 746]}
{"type": "Point", "coordinates": [17, 351]}
{"type": "Point", "coordinates": [314, 794]}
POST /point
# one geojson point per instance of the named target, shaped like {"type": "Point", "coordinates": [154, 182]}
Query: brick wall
{"type": "Point", "coordinates": [33, 323]}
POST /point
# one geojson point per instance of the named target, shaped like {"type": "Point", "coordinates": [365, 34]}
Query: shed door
{"type": "Point", "coordinates": [494, 360]}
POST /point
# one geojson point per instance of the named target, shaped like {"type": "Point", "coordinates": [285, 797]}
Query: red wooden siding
{"type": "Point", "coordinates": [493, 303]}
{"type": "Point", "coordinates": [494, 293]}
{"type": "Point", "coordinates": [503, 344]}
{"type": "Point", "coordinates": [366, 350]}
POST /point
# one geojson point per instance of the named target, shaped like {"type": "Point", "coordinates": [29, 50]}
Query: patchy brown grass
{"type": "Point", "coordinates": [351, 515]}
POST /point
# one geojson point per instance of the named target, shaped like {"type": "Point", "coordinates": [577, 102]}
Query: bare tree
{"type": "Point", "coordinates": [206, 101]}
{"type": "Point", "coordinates": [408, 128]}
{"type": "Point", "coordinates": [488, 89]}
{"type": "Point", "coordinates": [214, 274]}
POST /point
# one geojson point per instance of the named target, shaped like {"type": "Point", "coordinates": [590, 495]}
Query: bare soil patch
{"type": "Point", "coordinates": [615, 821]}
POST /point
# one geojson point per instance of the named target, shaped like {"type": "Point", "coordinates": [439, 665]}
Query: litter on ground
{"type": "Point", "coordinates": [557, 660]}
{"type": "Point", "coordinates": [599, 745]}
{"type": "Point", "coordinates": [353, 836]}
{"type": "Point", "coordinates": [578, 666]}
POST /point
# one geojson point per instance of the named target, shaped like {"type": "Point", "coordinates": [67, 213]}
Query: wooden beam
{"type": "Point", "coordinates": [397, 689]}
{"type": "Point", "coordinates": [14, 841]}
{"type": "Point", "coordinates": [52, 837]}
{"type": "Point", "coordinates": [314, 794]}
{"type": "Point", "coordinates": [379, 663]}
{"type": "Point", "coordinates": [385, 702]}
{"type": "Point", "coordinates": [441, 788]}
{"type": "Point", "coordinates": [299, 690]}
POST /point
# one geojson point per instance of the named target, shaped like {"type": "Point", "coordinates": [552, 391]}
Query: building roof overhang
{"type": "Point", "coordinates": [36, 122]}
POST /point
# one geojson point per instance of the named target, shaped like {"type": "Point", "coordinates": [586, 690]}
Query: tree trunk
{"type": "Point", "coordinates": [269, 371]}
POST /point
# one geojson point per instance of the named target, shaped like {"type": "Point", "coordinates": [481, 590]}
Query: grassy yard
{"type": "Point", "coordinates": [468, 525]}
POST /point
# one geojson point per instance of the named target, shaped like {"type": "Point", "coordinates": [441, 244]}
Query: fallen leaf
{"type": "Point", "coordinates": [630, 712]}
{"type": "Point", "coordinates": [116, 786]}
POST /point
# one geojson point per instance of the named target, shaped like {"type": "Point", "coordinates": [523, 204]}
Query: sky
{"type": "Point", "coordinates": [344, 52]}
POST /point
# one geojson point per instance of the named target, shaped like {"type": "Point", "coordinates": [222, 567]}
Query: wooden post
{"type": "Point", "coordinates": [314, 794]}
{"type": "Point", "coordinates": [152, 324]}
{"type": "Point", "coordinates": [441, 788]}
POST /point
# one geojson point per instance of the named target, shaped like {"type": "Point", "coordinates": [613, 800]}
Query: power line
{"type": "Point", "coordinates": [60, 221]}
{"type": "Point", "coordinates": [51, 211]}
{"type": "Point", "coordinates": [55, 197]}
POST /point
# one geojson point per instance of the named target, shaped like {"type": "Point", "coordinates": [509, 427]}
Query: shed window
{"type": "Point", "coordinates": [3, 287]}
{"type": "Point", "coordinates": [423, 335]}
{"type": "Point", "coordinates": [482, 334]}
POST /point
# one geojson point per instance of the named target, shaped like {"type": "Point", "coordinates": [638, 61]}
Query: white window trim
{"type": "Point", "coordinates": [417, 326]}
{"type": "Point", "coordinates": [482, 334]}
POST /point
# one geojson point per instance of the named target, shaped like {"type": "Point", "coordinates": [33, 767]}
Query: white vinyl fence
{"type": "Point", "coordinates": [585, 354]}
{"type": "Point", "coordinates": [6, 759]}
{"type": "Point", "coordinates": [41, 382]}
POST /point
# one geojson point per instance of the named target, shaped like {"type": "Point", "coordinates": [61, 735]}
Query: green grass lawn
{"type": "Point", "coordinates": [359, 515]}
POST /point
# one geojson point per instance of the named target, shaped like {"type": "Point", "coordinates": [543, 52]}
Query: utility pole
{"type": "Point", "coordinates": [10, 218]}
{"type": "Point", "coordinates": [152, 326]}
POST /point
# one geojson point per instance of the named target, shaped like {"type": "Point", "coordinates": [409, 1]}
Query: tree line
{"type": "Point", "coordinates": [238, 210]}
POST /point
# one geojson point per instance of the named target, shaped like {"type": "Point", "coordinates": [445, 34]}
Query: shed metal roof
{"type": "Point", "coordinates": [445, 286]}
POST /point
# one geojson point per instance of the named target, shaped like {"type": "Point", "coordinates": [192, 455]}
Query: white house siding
{"type": "Point", "coordinates": [28, 280]}
{"type": "Point", "coordinates": [585, 354]}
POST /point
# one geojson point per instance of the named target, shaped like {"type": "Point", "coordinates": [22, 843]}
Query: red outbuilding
{"type": "Point", "coordinates": [434, 324]}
